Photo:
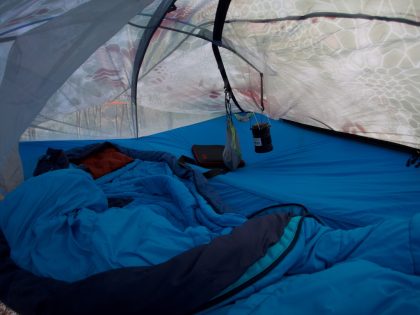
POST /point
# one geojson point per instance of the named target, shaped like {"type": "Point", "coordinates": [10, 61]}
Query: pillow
{"type": "Point", "coordinates": [105, 161]}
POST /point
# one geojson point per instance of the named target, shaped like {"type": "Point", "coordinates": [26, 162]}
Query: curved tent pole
{"type": "Point", "coordinates": [201, 36]}
{"type": "Point", "coordinates": [219, 23]}
{"type": "Point", "coordinates": [164, 7]}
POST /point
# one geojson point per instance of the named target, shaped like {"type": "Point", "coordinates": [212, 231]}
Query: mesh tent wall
{"type": "Point", "coordinates": [66, 70]}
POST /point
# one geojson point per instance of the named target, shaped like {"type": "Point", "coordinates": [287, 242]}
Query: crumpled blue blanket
{"type": "Point", "coordinates": [59, 225]}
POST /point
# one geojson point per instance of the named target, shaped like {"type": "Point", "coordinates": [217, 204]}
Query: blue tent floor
{"type": "Point", "coordinates": [346, 182]}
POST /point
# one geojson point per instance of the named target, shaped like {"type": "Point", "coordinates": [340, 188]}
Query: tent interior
{"type": "Point", "coordinates": [328, 221]}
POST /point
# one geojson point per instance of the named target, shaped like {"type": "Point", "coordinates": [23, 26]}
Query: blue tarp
{"type": "Point", "coordinates": [364, 259]}
{"type": "Point", "coordinates": [345, 182]}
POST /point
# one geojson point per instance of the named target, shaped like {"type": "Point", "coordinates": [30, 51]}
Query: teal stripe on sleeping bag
{"type": "Point", "coordinates": [272, 254]}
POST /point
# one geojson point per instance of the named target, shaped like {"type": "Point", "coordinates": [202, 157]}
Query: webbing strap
{"type": "Point", "coordinates": [208, 174]}
{"type": "Point", "coordinates": [186, 159]}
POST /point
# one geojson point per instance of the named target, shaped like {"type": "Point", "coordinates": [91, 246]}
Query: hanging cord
{"type": "Point", "coordinates": [256, 119]}
{"type": "Point", "coordinates": [262, 107]}
{"type": "Point", "coordinates": [228, 104]}
{"type": "Point", "coordinates": [258, 123]}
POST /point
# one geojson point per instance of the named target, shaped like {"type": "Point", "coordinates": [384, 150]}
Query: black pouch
{"type": "Point", "coordinates": [53, 160]}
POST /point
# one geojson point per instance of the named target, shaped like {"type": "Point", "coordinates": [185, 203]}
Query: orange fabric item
{"type": "Point", "coordinates": [105, 161]}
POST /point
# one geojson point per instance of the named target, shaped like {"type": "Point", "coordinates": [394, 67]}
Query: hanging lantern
{"type": "Point", "coordinates": [262, 137]}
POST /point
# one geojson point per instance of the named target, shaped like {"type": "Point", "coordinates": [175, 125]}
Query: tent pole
{"type": "Point", "coordinates": [152, 25]}
{"type": "Point", "coordinates": [219, 23]}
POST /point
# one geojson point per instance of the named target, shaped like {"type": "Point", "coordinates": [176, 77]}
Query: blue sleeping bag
{"type": "Point", "coordinates": [369, 270]}
{"type": "Point", "coordinates": [59, 224]}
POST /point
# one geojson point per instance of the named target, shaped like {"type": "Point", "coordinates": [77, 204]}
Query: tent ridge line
{"type": "Point", "coordinates": [203, 37]}
{"type": "Point", "coordinates": [26, 25]}
{"type": "Point", "coordinates": [328, 15]}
